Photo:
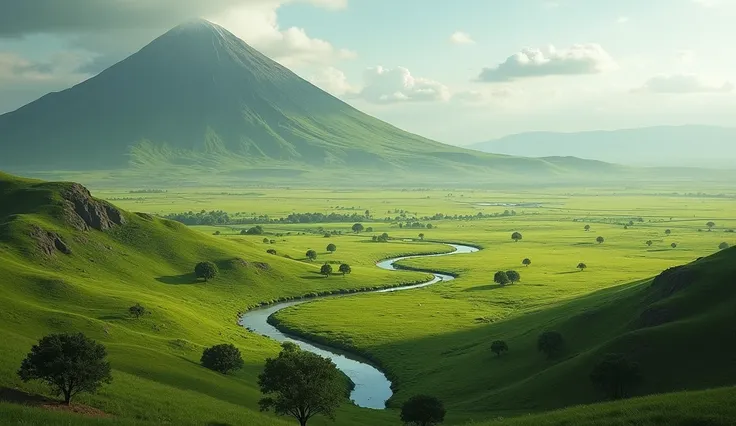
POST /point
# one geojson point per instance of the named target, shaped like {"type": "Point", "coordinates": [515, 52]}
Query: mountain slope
{"type": "Point", "coordinates": [693, 146]}
{"type": "Point", "coordinates": [199, 96]}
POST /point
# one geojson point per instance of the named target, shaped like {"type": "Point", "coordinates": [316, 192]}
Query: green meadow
{"type": "Point", "coordinates": [434, 340]}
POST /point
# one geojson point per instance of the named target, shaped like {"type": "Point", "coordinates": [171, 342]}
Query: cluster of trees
{"type": "Point", "coordinates": [327, 269]}
{"type": "Point", "coordinates": [506, 277]}
{"type": "Point", "coordinates": [214, 217]}
{"type": "Point", "coordinates": [380, 238]}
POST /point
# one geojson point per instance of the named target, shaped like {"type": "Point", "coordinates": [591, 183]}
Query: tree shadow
{"type": "Point", "coordinates": [114, 317]}
{"type": "Point", "coordinates": [179, 279]}
{"type": "Point", "coordinates": [16, 396]}
{"type": "Point", "coordinates": [568, 272]}
{"type": "Point", "coordinates": [313, 277]}
{"type": "Point", "coordinates": [485, 287]}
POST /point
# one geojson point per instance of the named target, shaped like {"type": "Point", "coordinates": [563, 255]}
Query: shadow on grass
{"type": "Point", "coordinates": [568, 272]}
{"type": "Point", "coordinates": [16, 396]}
{"type": "Point", "coordinates": [485, 287]}
{"type": "Point", "coordinates": [114, 317]}
{"type": "Point", "coordinates": [179, 279]}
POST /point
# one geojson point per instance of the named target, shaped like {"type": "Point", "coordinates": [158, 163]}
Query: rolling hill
{"type": "Point", "coordinates": [681, 146]}
{"type": "Point", "coordinates": [200, 98]}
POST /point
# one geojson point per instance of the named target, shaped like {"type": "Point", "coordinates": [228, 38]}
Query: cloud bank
{"type": "Point", "coordinates": [683, 84]}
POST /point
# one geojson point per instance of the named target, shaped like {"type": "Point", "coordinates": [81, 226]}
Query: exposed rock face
{"type": "Point", "coordinates": [49, 242]}
{"type": "Point", "coordinates": [84, 212]}
{"type": "Point", "coordinates": [654, 316]}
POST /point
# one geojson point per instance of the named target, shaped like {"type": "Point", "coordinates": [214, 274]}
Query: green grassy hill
{"type": "Point", "coordinates": [678, 327]}
{"type": "Point", "coordinates": [70, 262]}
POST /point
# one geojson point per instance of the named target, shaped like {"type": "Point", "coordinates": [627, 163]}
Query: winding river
{"type": "Point", "coordinates": [372, 388]}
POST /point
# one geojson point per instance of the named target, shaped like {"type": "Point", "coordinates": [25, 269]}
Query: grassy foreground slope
{"type": "Point", "coordinates": [69, 262]}
{"type": "Point", "coordinates": [678, 327]}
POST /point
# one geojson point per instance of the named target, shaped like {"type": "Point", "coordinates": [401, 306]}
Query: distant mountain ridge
{"type": "Point", "coordinates": [199, 97]}
{"type": "Point", "coordinates": [691, 145]}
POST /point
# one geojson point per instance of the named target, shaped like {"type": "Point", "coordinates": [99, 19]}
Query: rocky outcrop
{"type": "Point", "coordinates": [84, 212]}
{"type": "Point", "coordinates": [49, 242]}
{"type": "Point", "coordinates": [673, 280]}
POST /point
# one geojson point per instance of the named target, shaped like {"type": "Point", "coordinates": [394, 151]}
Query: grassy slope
{"type": "Point", "coordinates": [155, 359]}
{"type": "Point", "coordinates": [443, 345]}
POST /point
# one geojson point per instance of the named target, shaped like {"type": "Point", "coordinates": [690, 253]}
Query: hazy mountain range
{"type": "Point", "coordinates": [696, 146]}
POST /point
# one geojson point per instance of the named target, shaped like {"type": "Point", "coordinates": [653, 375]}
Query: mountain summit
{"type": "Point", "coordinates": [199, 96]}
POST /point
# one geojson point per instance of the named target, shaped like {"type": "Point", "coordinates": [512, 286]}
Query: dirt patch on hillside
{"type": "Point", "coordinates": [16, 396]}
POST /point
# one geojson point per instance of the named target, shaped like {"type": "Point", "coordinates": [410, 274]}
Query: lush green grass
{"type": "Point", "coordinates": [432, 340]}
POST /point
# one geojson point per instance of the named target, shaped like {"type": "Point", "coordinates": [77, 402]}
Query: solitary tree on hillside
{"type": "Point", "coordinates": [302, 385]}
{"type": "Point", "coordinates": [311, 255]}
{"type": "Point", "coordinates": [369, 229]}
{"type": "Point", "coordinates": [265, 241]}
{"type": "Point", "coordinates": [137, 310]}
{"type": "Point", "coordinates": [421, 236]}
{"type": "Point", "coordinates": [615, 375]}
{"type": "Point", "coordinates": [358, 227]}
{"type": "Point", "coordinates": [600, 240]}
{"type": "Point", "coordinates": [526, 262]}
{"type": "Point", "coordinates": [423, 410]}
{"type": "Point", "coordinates": [326, 270]}
{"type": "Point", "coordinates": [513, 276]}
{"type": "Point", "coordinates": [345, 269]}
{"type": "Point", "coordinates": [710, 225]}
{"type": "Point", "coordinates": [501, 278]}
{"type": "Point", "coordinates": [582, 266]}
{"type": "Point", "coordinates": [649, 243]}
{"type": "Point", "coordinates": [206, 270]}
{"type": "Point", "coordinates": [723, 246]}
{"type": "Point", "coordinates": [667, 231]}
{"type": "Point", "coordinates": [222, 358]}
{"type": "Point", "coordinates": [673, 245]}
{"type": "Point", "coordinates": [331, 248]}
{"type": "Point", "coordinates": [498, 347]}
{"type": "Point", "coordinates": [550, 343]}
{"type": "Point", "coordinates": [68, 363]}
{"type": "Point", "coordinates": [516, 236]}
{"type": "Point", "coordinates": [587, 228]}
{"type": "Point", "coordinates": [271, 251]}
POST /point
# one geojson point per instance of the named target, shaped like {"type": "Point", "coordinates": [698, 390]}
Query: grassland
{"type": "Point", "coordinates": [433, 340]}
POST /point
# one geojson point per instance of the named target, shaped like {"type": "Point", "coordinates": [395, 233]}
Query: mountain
{"type": "Point", "coordinates": [690, 146]}
{"type": "Point", "coordinates": [200, 97]}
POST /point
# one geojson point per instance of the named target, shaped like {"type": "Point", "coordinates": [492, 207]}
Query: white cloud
{"type": "Point", "coordinates": [459, 37]}
{"type": "Point", "coordinates": [469, 96]}
{"type": "Point", "coordinates": [391, 85]}
{"type": "Point", "coordinates": [16, 70]}
{"type": "Point", "coordinates": [683, 84]}
{"type": "Point", "coordinates": [623, 20]}
{"type": "Point", "coordinates": [686, 57]}
{"type": "Point", "coordinates": [577, 60]}
{"type": "Point", "coordinates": [334, 81]}
{"type": "Point", "coordinates": [707, 3]}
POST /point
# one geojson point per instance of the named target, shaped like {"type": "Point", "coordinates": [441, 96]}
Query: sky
{"type": "Point", "coordinates": [457, 71]}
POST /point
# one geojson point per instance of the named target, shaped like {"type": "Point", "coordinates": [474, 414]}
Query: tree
{"type": "Point", "coordinates": [256, 230]}
{"type": "Point", "coordinates": [137, 310]}
{"type": "Point", "coordinates": [429, 226]}
{"type": "Point", "coordinates": [649, 243]}
{"type": "Point", "coordinates": [369, 229]}
{"type": "Point", "coordinates": [311, 255]}
{"type": "Point", "coordinates": [673, 245]}
{"type": "Point", "coordinates": [526, 262]}
{"type": "Point", "coordinates": [421, 236]}
{"type": "Point", "coordinates": [723, 246]}
{"type": "Point", "coordinates": [501, 278]}
{"type": "Point", "coordinates": [550, 342]}
{"type": "Point", "coordinates": [265, 241]}
{"type": "Point", "coordinates": [382, 238]}
{"type": "Point", "coordinates": [216, 233]}
{"type": "Point", "coordinates": [345, 269]}
{"type": "Point", "coordinates": [358, 228]}
{"type": "Point", "coordinates": [423, 410]}
{"type": "Point", "coordinates": [513, 276]}
{"type": "Point", "coordinates": [600, 240]}
{"type": "Point", "coordinates": [615, 375]}
{"type": "Point", "coordinates": [710, 226]}
{"type": "Point", "coordinates": [587, 228]}
{"type": "Point", "coordinates": [582, 266]}
{"type": "Point", "coordinates": [326, 270]}
{"type": "Point", "coordinates": [667, 231]}
{"type": "Point", "coordinates": [206, 270]}
{"type": "Point", "coordinates": [69, 363]}
{"type": "Point", "coordinates": [331, 248]}
{"type": "Point", "coordinates": [516, 236]}
{"type": "Point", "coordinates": [223, 358]}
{"type": "Point", "coordinates": [498, 347]}
{"type": "Point", "coordinates": [302, 385]}
{"type": "Point", "coordinates": [271, 251]}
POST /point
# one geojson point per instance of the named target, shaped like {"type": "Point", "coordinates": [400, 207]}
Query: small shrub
{"type": "Point", "coordinates": [137, 310]}
{"type": "Point", "coordinates": [498, 347]}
